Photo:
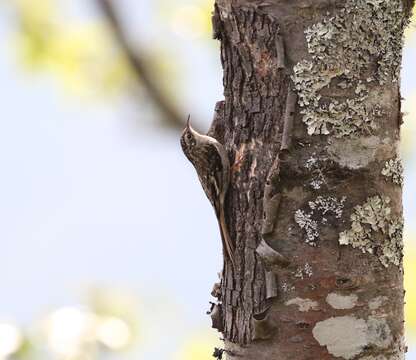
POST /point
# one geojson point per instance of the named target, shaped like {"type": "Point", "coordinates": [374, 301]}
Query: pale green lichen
{"type": "Point", "coordinates": [363, 41]}
{"type": "Point", "coordinates": [393, 170]}
{"type": "Point", "coordinates": [320, 208]}
{"type": "Point", "coordinates": [373, 217]}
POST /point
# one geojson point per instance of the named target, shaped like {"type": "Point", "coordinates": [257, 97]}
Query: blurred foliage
{"type": "Point", "coordinates": [199, 347]}
{"type": "Point", "coordinates": [80, 54]}
{"type": "Point", "coordinates": [191, 20]}
{"type": "Point", "coordinates": [11, 339]}
{"type": "Point", "coordinates": [108, 323]}
{"type": "Point", "coordinates": [83, 55]}
{"type": "Point", "coordinates": [113, 304]}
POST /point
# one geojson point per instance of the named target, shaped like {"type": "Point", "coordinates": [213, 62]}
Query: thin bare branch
{"type": "Point", "coordinates": [171, 116]}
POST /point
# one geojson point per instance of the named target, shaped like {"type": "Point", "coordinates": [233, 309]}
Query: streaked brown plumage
{"type": "Point", "coordinates": [212, 165]}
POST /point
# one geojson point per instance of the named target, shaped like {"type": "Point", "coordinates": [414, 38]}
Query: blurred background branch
{"type": "Point", "coordinates": [171, 116]}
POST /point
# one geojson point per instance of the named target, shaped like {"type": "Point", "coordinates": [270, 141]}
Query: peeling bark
{"type": "Point", "coordinates": [318, 245]}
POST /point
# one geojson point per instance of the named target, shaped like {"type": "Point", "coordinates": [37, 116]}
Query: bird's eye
{"type": "Point", "coordinates": [189, 136]}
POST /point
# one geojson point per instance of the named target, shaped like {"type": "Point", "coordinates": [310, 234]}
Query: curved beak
{"type": "Point", "coordinates": [188, 122]}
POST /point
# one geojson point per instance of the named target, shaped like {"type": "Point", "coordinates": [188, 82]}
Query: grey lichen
{"type": "Point", "coordinates": [378, 332]}
{"type": "Point", "coordinates": [287, 288]}
{"type": "Point", "coordinates": [328, 204]}
{"type": "Point", "coordinates": [304, 305]}
{"type": "Point", "coordinates": [371, 218]}
{"type": "Point", "coordinates": [308, 270]}
{"type": "Point", "coordinates": [320, 208]}
{"type": "Point", "coordinates": [397, 354]}
{"type": "Point", "coordinates": [363, 41]}
{"type": "Point", "coordinates": [314, 166]}
{"type": "Point", "coordinates": [304, 272]}
{"type": "Point", "coordinates": [393, 170]}
{"type": "Point", "coordinates": [346, 336]}
{"type": "Point", "coordinates": [353, 153]}
{"type": "Point", "coordinates": [342, 302]}
{"type": "Point", "coordinates": [377, 302]}
{"type": "Point", "coordinates": [310, 226]}
{"type": "Point", "coordinates": [317, 182]}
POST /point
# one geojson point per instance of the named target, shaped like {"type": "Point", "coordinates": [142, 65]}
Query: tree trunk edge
{"type": "Point", "coordinates": [292, 310]}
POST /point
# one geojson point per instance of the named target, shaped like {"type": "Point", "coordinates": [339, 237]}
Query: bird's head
{"type": "Point", "coordinates": [188, 139]}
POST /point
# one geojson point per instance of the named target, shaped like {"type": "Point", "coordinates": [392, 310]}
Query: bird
{"type": "Point", "coordinates": [212, 165]}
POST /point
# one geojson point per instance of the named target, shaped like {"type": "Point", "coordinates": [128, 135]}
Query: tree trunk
{"type": "Point", "coordinates": [311, 122]}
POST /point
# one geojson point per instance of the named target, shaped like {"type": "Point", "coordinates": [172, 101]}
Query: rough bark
{"type": "Point", "coordinates": [311, 120]}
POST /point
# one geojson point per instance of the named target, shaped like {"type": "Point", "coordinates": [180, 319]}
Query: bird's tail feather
{"type": "Point", "coordinates": [227, 244]}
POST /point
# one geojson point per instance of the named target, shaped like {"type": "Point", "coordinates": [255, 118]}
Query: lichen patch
{"type": "Point", "coordinates": [309, 225]}
{"type": "Point", "coordinates": [287, 287]}
{"type": "Point", "coordinates": [394, 356]}
{"type": "Point", "coordinates": [353, 153]}
{"type": "Point", "coordinates": [304, 272]}
{"type": "Point", "coordinates": [314, 167]}
{"type": "Point", "coordinates": [351, 52]}
{"type": "Point", "coordinates": [374, 230]}
{"type": "Point", "coordinates": [342, 302]}
{"type": "Point", "coordinates": [393, 171]}
{"type": "Point", "coordinates": [303, 305]}
{"type": "Point", "coordinates": [343, 336]}
{"type": "Point", "coordinates": [346, 336]}
{"type": "Point", "coordinates": [378, 333]}
{"type": "Point", "coordinates": [319, 211]}
{"type": "Point", "coordinates": [377, 302]}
